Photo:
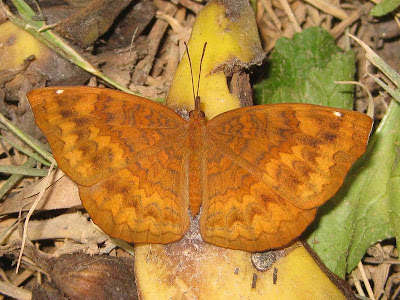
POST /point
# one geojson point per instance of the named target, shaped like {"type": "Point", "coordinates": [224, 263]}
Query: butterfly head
{"type": "Point", "coordinates": [197, 113]}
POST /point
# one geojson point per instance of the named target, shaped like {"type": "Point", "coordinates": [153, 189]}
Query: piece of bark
{"type": "Point", "coordinates": [132, 25]}
{"type": "Point", "coordinates": [81, 276]}
{"type": "Point", "coordinates": [88, 24]}
{"type": "Point", "coordinates": [143, 68]}
{"type": "Point", "coordinates": [240, 86]}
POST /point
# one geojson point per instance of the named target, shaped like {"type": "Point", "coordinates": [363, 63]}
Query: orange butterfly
{"type": "Point", "coordinates": [257, 174]}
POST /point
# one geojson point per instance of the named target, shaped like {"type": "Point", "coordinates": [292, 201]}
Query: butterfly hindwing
{"type": "Point", "coordinates": [240, 212]}
{"type": "Point", "coordinates": [144, 203]}
{"type": "Point", "coordinates": [282, 161]}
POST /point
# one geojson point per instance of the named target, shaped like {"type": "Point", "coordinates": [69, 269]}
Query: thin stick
{"type": "Point", "coordinates": [14, 292]}
{"type": "Point", "coordinates": [338, 30]}
{"type": "Point", "coordinates": [366, 282]}
{"type": "Point", "coordinates": [370, 111]}
{"type": "Point", "coordinates": [290, 14]}
{"type": "Point", "coordinates": [31, 210]}
{"type": "Point", "coordinates": [329, 8]}
{"type": "Point", "coordinates": [132, 39]}
{"type": "Point", "coordinates": [270, 12]}
{"type": "Point", "coordinates": [357, 284]}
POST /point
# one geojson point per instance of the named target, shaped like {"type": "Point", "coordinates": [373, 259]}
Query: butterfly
{"type": "Point", "coordinates": [255, 176]}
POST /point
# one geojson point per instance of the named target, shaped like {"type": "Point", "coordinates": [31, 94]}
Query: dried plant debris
{"type": "Point", "coordinates": [81, 276]}
{"type": "Point", "coordinates": [138, 44]}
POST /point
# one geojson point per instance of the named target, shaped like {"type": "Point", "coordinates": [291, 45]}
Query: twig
{"type": "Point", "coordinates": [15, 292]}
{"type": "Point", "coordinates": [270, 12]}
{"type": "Point", "coordinates": [290, 14]}
{"type": "Point", "coordinates": [338, 30]}
{"type": "Point", "coordinates": [143, 68]}
{"type": "Point", "coordinates": [371, 107]}
{"type": "Point", "coordinates": [15, 178]}
{"type": "Point", "coordinates": [17, 281]}
{"type": "Point", "coordinates": [193, 6]}
{"type": "Point", "coordinates": [357, 284]}
{"type": "Point", "coordinates": [32, 209]}
{"type": "Point", "coordinates": [366, 281]}
{"type": "Point", "coordinates": [329, 8]}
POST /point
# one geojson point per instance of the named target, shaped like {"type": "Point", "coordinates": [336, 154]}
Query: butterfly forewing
{"type": "Point", "coordinates": [96, 132]}
{"type": "Point", "coordinates": [282, 161]}
{"type": "Point", "coordinates": [127, 155]}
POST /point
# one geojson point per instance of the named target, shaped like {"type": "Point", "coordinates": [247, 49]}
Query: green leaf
{"type": "Point", "coordinates": [384, 7]}
{"type": "Point", "coordinates": [304, 70]}
{"type": "Point", "coordinates": [367, 207]}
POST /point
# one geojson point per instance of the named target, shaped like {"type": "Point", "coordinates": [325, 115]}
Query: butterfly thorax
{"type": "Point", "coordinates": [197, 127]}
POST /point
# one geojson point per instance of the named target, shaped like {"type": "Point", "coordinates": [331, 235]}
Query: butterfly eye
{"type": "Point", "coordinates": [199, 114]}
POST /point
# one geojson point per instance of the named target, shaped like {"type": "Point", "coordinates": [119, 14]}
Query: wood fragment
{"type": "Point", "coordinates": [90, 22]}
{"type": "Point", "coordinates": [314, 15]}
{"type": "Point", "coordinates": [11, 290]}
{"type": "Point", "coordinates": [275, 276]}
{"type": "Point", "coordinates": [291, 16]}
{"type": "Point", "coordinates": [143, 68]}
{"type": "Point", "coordinates": [338, 30]}
{"type": "Point", "coordinates": [193, 6]}
{"type": "Point", "coordinates": [21, 277]}
{"type": "Point", "coordinates": [254, 281]}
{"type": "Point", "coordinates": [357, 284]}
{"type": "Point", "coordinates": [329, 8]}
{"type": "Point", "coordinates": [366, 281]}
{"type": "Point", "coordinates": [270, 12]}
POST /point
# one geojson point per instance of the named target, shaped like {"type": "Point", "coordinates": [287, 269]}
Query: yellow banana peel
{"type": "Point", "coordinates": [230, 31]}
{"type": "Point", "coordinates": [18, 45]}
{"type": "Point", "coordinates": [195, 270]}
{"type": "Point", "coordinates": [13, 38]}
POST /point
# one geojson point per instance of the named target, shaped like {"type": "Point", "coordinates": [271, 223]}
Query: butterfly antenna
{"type": "Point", "coordinates": [201, 62]}
{"type": "Point", "coordinates": [191, 71]}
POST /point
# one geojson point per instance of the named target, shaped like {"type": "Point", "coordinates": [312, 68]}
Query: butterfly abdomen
{"type": "Point", "coordinates": [197, 125]}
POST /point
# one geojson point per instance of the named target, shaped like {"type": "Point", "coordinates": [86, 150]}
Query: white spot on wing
{"type": "Point", "coordinates": [337, 114]}
{"type": "Point", "coordinates": [59, 92]}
